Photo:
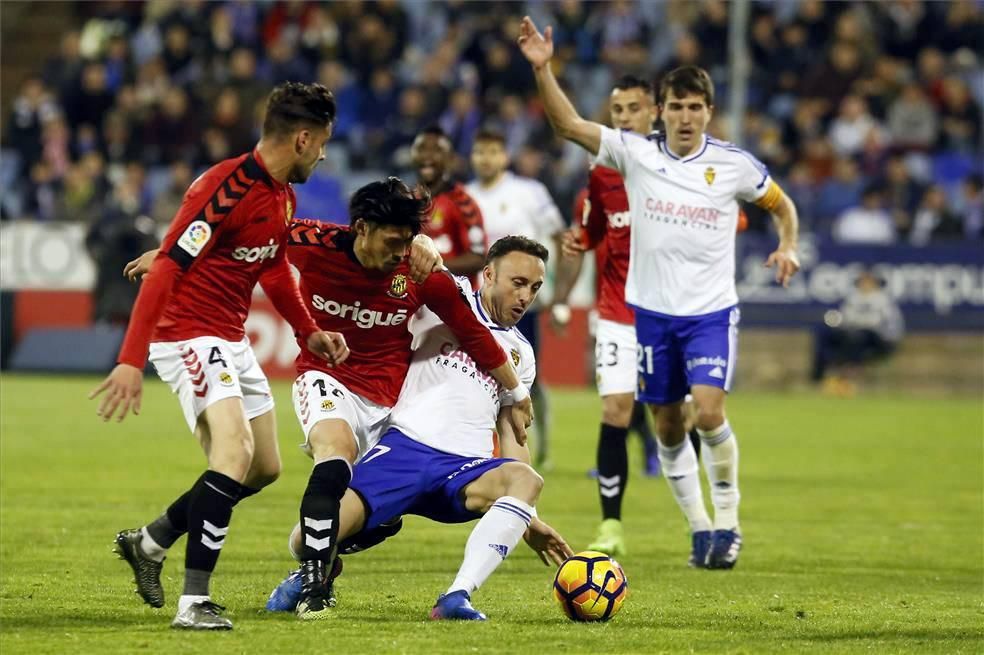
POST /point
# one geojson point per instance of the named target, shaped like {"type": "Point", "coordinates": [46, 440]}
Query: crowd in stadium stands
{"type": "Point", "coordinates": [869, 114]}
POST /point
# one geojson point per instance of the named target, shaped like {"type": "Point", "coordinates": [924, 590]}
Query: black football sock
{"type": "Point", "coordinates": [209, 514]}
{"type": "Point", "coordinates": [613, 470]}
{"type": "Point", "coordinates": [320, 509]}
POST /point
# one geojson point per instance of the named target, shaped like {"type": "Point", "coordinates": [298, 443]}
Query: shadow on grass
{"type": "Point", "coordinates": [915, 634]}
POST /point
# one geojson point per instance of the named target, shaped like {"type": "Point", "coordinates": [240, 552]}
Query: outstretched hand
{"type": "Point", "coordinates": [547, 543]}
{"type": "Point", "coordinates": [124, 388]}
{"type": "Point", "coordinates": [536, 47]}
{"type": "Point", "coordinates": [137, 268]}
{"type": "Point", "coordinates": [786, 262]}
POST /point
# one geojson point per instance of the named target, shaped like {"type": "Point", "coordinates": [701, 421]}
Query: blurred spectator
{"type": "Point", "coordinates": [960, 118]}
{"type": "Point", "coordinates": [839, 192]}
{"type": "Point", "coordinates": [867, 224]}
{"type": "Point", "coordinates": [165, 205]}
{"type": "Point", "coordinates": [971, 206]}
{"type": "Point", "coordinates": [461, 120]}
{"type": "Point", "coordinates": [902, 193]}
{"type": "Point", "coordinates": [89, 101]}
{"type": "Point", "coordinates": [853, 127]}
{"type": "Point", "coordinates": [32, 107]}
{"type": "Point", "coordinates": [61, 71]}
{"type": "Point", "coordinates": [867, 326]}
{"type": "Point", "coordinates": [912, 120]}
{"type": "Point", "coordinates": [831, 80]}
{"type": "Point", "coordinates": [348, 98]}
{"type": "Point", "coordinates": [229, 118]}
{"type": "Point", "coordinates": [934, 220]}
{"type": "Point", "coordinates": [171, 133]}
{"type": "Point", "coordinates": [243, 78]}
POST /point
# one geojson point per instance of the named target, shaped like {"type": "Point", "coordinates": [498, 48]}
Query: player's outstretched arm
{"type": "Point", "coordinates": [547, 543]}
{"type": "Point", "coordinates": [784, 258]}
{"type": "Point", "coordinates": [538, 50]}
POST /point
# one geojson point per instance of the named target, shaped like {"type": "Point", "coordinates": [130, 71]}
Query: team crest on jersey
{"type": "Point", "coordinates": [709, 175]}
{"type": "Point", "coordinates": [289, 210]}
{"type": "Point", "coordinates": [225, 378]}
{"type": "Point", "coordinates": [642, 384]}
{"type": "Point", "coordinates": [398, 287]}
{"type": "Point", "coordinates": [437, 219]}
{"type": "Point", "coordinates": [327, 405]}
{"type": "Point", "coordinates": [515, 356]}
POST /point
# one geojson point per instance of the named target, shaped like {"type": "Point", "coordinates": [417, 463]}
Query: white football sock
{"type": "Point", "coordinates": [496, 534]}
{"type": "Point", "coordinates": [151, 548]}
{"type": "Point", "coordinates": [681, 471]}
{"type": "Point", "coordinates": [721, 465]}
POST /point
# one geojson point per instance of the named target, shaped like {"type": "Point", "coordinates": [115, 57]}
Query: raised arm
{"type": "Point", "coordinates": [563, 117]}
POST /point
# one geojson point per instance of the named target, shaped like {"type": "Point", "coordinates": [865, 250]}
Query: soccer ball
{"type": "Point", "coordinates": [590, 586]}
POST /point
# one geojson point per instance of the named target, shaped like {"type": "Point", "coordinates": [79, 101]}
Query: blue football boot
{"type": "Point", "coordinates": [724, 549]}
{"type": "Point", "coordinates": [700, 546]}
{"type": "Point", "coordinates": [455, 606]}
{"type": "Point", "coordinates": [287, 594]}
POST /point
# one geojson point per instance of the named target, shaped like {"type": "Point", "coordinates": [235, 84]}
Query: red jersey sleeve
{"type": "Point", "coordinates": [442, 296]}
{"type": "Point", "coordinates": [279, 284]}
{"type": "Point", "coordinates": [591, 214]}
{"type": "Point", "coordinates": [469, 226]}
{"type": "Point", "coordinates": [206, 207]}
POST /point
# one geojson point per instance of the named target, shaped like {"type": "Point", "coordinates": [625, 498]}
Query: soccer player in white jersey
{"type": "Point", "coordinates": [515, 205]}
{"type": "Point", "coordinates": [683, 191]}
{"type": "Point", "coordinates": [441, 464]}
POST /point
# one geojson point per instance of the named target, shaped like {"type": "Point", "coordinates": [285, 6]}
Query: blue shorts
{"type": "Point", "coordinates": [401, 476]}
{"type": "Point", "coordinates": [677, 352]}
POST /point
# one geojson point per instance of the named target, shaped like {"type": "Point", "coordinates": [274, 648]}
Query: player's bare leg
{"type": "Point", "coordinates": [334, 449]}
{"type": "Point", "coordinates": [681, 471]}
{"type": "Point", "coordinates": [721, 464]}
{"type": "Point", "coordinates": [506, 496]}
{"type": "Point", "coordinates": [613, 471]}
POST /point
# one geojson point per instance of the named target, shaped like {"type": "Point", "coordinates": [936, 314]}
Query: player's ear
{"type": "Point", "coordinates": [301, 141]}
{"type": "Point", "coordinates": [487, 274]}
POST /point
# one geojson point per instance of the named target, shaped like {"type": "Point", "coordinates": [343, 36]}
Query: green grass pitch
{"type": "Point", "coordinates": [862, 522]}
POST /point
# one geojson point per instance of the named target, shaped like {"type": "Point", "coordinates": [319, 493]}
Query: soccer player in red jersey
{"type": "Point", "coordinates": [229, 234]}
{"type": "Point", "coordinates": [356, 281]}
{"type": "Point", "coordinates": [455, 223]}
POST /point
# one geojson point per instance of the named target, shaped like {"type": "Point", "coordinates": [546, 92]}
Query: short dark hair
{"type": "Point", "coordinates": [686, 80]}
{"type": "Point", "coordinates": [490, 134]}
{"type": "Point", "coordinates": [627, 82]}
{"type": "Point", "coordinates": [391, 202]}
{"type": "Point", "coordinates": [515, 243]}
{"type": "Point", "coordinates": [295, 105]}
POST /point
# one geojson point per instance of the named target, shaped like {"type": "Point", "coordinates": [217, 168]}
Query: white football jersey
{"type": "Point", "coordinates": [447, 402]}
{"type": "Point", "coordinates": [684, 217]}
{"type": "Point", "coordinates": [517, 205]}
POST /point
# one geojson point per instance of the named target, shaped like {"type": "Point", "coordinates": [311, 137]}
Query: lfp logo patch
{"type": "Point", "coordinates": [195, 237]}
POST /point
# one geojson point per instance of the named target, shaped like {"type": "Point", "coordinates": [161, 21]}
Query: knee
{"type": "Point", "coordinates": [709, 418]}
{"type": "Point", "coordinates": [232, 452]}
{"type": "Point", "coordinates": [524, 483]}
{"type": "Point", "coordinates": [333, 441]}
{"type": "Point", "coordinates": [671, 426]}
{"type": "Point", "coordinates": [616, 411]}
{"type": "Point", "coordinates": [263, 474]}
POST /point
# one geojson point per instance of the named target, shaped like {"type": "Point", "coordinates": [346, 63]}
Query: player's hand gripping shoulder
{"type": "Point", "coordinates": [424, 258]}
{"type": "Point", "coordinates": [572, 242]}
{"type": "Point", "coordinates": [137, 268]}
{"type": "Point", "coordinates": [330, 346]}
{"type": "Point", "coordinates": [547, 543]}
{"type": "Point", "coordinates": [123, 387]}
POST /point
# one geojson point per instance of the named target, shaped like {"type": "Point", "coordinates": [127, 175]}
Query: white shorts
{"type": "Point", "coordinates": [204, 370]}
{"type": "Point", "coordinates": [615, 358]}
{"type": "Point", "coordinates": [319, 397]}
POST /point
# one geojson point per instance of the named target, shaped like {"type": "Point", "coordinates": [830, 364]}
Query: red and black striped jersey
{"type": "Point", "coordinates": [231, 226]}
{"type": "Point", "coordinates": [373, 308]}
{"type": "Point", "coordinates": [456, 224]}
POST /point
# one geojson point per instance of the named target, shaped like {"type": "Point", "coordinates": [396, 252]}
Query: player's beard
{"type": "Point", "coordinates": [300, 173]}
